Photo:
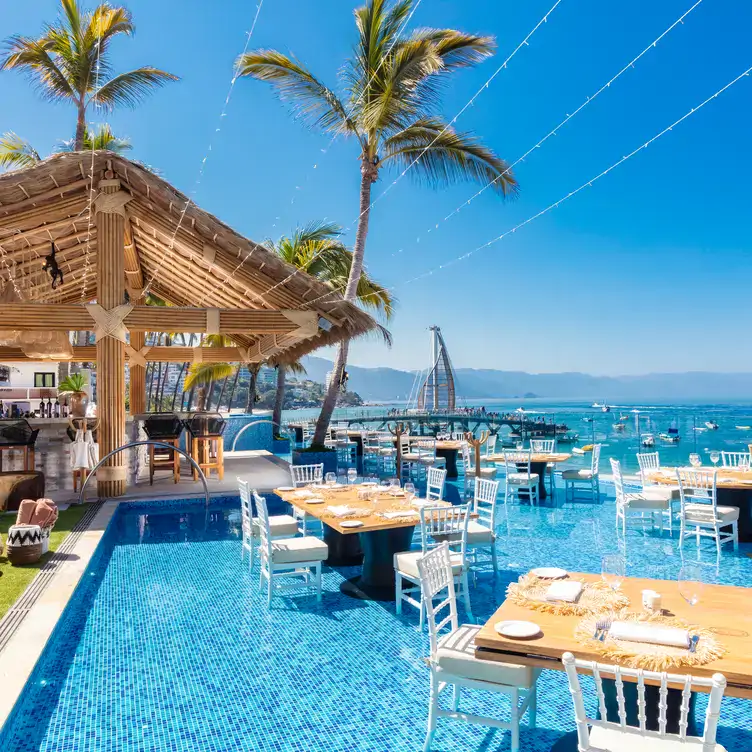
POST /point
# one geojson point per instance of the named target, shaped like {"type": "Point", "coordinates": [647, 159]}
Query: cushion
{"type": "Point", "coordinates": [489, 473]}
{"type": "Point", "coordinates": [280, 526]}
{"type": "Point", "coordinates": [407, 563]}
{"type": "Point", "coordinates": [522, 478]}
{"type": "Point", "coordinates": [670, 492]}
{"type": "Point", "coordinates": [614, 740]}
{"type": "Point", "coordinates": [647, 501]}
{"type": "Point", "coordinates": [291, 550]}
{"type": "Point", "coordinates": [410, 456]}
{"type": "Point", "coordinates": [456, 655]}
{"type": "Point", "coordinates": [477, 533]}
{"type": "Point", "coordinates": [704, 513]}
{"type": "Point", "coordinates": [577, 474]}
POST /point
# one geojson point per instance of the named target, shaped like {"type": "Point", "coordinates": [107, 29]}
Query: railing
{"type": "Point", "coordinates": [147, 442]}
{"type": "Point", "coordinates": [247, 426]}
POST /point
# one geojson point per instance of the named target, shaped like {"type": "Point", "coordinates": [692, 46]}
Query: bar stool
{"type": "Point", "coordinates": [207, 442]}
{"type": "Point", "coordinates": [165, 428]}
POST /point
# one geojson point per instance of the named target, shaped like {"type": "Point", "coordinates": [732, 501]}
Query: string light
{"type": "Point", "coordinates": [171, 245]}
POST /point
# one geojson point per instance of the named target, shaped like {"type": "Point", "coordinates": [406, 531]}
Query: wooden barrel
{"type": "Point", "coordinates": [24, 544]}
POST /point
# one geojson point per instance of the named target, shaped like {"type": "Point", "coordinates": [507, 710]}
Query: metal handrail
{"type": "Point", "coordinates": [147, 442]}
{"type": "Point", "coordinates": [247, 426]}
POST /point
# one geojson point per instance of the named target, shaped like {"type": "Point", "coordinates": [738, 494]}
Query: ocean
{"type": "Point", "coordinates": [734, 421]}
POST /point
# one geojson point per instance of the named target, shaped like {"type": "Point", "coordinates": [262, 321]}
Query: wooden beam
{"type": "Point", "coordinates": [134, 277]}
{"type": "Point", "coordinates": [137, 401]}
{"type": "Point", "coordinates": [72, 317]}
{"type": "Point", "coordinates": [161, 354]}
{"type": "Point", "coordinates": [52, 193]}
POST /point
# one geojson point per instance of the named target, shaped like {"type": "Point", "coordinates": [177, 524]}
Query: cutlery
{"type": "Point", "coordinates": [693, 643]}
{"type": "Point", "coordinates": [601, 627]}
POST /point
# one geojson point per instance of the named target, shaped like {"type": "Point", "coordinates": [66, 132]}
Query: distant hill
{"type": "Point", "coordinates": [377, 384]}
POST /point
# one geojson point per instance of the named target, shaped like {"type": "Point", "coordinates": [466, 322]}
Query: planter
{"type": "Point", "coordinates": [77, 402]}
{"type": "Point", "coordinates": [281, 446]}
{"type": "Point", "coordinates": [329, 460]}
{"type": "Point", "coordinates": [24, 544]}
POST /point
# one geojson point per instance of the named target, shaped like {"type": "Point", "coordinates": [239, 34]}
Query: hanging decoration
{"type": "Point", "coordinates": [51, 267]}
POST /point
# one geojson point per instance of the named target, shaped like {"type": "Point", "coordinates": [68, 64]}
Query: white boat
{"type": "Point", "coordinates": [619, 426]}
{"type": "Point", "coordinates": [711, 425]}
{"type": "Point", "coordinates": [700, 429]}
{"type": "Point", "coordinates": [623, 418]}
{"type": "Point", "coordinates": [671, 438]}
{"type": "Point", "coordinates": [567, 438]}
{"type": "Point", "coordinates": [587, 420]}
{"type": "Point", "coordinates": [743, 428]}
{"type": "Point", "coordinates": [577, 450]}
{"type": "Point", "coordinates": [648, 440]}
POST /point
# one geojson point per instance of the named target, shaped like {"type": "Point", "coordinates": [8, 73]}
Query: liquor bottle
{"type": "Point", "coordinates": [48, 410]}
{"type": "Point", "coordinates": [65, 409]}
{"type": "Point", "coordinates": [57, 407]}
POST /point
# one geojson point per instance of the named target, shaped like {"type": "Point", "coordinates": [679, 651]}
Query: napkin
{"type": "Point", "coordinates": [396, 515]}
{"type": "Point", "coordinates": [340, 510]}
{"type": "Point", "coordinates": [304, 493]}
{"type": "Point", "coordinates": [636, 632]}
{"type": "Point", "coordinates": [564, 590]}
{"type": "Point", "coordinates": [422, 503]}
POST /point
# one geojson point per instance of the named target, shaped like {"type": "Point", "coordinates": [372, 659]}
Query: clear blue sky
{"type": "Point", "coordinates": [648, 270]}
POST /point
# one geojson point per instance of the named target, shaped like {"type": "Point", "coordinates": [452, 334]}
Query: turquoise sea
{"type": "Point", "coordinates": [734, 421]}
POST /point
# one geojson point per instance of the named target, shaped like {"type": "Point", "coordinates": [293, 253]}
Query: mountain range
{"type": "Point", "coordinates": [383, 384]}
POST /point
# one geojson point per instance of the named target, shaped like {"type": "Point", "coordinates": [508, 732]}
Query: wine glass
{"type": "Point", "coordinates": [410, 491]}
{"type": "Point", "coordinates": [612, 570]}
{"type": "Point", "coordinates": [394, 486]}
{"type": "Point", "coordinates": [694, 460]}
{"type": "Point", "coordinates": [743, 464]}
{"type": "Point", "coordinates": [692, 578]}
{"type": "Point", "coordinates": [520, 446]}
{"type": "Point", "coordinates": [714, 457]}
{"type": "Point", "coordinates": [352, 474]}
{"type": "Point", "coordinates": [330, 479]}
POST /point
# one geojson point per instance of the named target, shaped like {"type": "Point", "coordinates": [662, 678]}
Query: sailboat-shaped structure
{"type": "Point", "coordinates": [437, 391]}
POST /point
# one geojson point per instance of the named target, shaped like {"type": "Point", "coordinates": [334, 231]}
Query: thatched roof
{"type": "Point", "coordinates": [186, 256]}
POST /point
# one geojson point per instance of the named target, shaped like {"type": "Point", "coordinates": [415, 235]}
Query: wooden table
{"type": "Point", "coordinates": [734, 490]}
{"type": "Point", "coordinates": [538, 463]}
{"type": "Point", "coordinates": [374, 543]}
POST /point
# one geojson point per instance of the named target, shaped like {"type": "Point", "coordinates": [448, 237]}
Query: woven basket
{"type": "Point", "coordinates": [24, 544]}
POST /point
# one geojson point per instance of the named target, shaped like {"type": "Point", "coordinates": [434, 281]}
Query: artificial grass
{"type": "Point", "coordinates": [14, 580]}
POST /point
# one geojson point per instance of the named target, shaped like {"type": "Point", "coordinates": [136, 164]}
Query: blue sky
{"type": "Point", "coordinates": [648, 270]}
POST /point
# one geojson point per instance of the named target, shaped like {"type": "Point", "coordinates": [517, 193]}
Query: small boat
{"type": "Point", "coordinates": [597, 404]}
{"type": "Point", "coordinates": [619, 426]}
{"type": "Point", "coordinates": [711, 425]}
{"type": "Point", "coordinates": [671, 438]}
{"type": "Point", "coordinates": [623, 418]}
{"type": "Point", "coordinates": [567, 438]}
{"type": "Point", "coordinates": [577, 450]}
{"type": "Point", "coordinates": [743, 428]}
{"type": "Point", "coordinates": [587, 420]}
{"type": "Point", "coordinates": [648, 440]}
{"type": "Point", "coordinates": [588, 448]}
{"type": "Point", "coordinates": [700, 429]}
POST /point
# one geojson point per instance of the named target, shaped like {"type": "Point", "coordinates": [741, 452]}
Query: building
{"type": "Point", "coordinates": [437, 391]}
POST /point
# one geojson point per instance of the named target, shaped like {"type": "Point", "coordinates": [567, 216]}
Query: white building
{"type": "Point", "coordinates": [24, 385]}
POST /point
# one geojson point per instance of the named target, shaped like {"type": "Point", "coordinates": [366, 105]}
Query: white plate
{"type": "Point", "coordinates": [517, 629]}
{"type": "Point", "coordinates": [369, 483]}
{"type": "Point", "coordinates": [314, 500]}
{"type": "Point", "coordinates": [286, 488]}
{"type": "Point", "coordinates": [550, 573]}
{"type": "Point", "coordinates": [351, 523]}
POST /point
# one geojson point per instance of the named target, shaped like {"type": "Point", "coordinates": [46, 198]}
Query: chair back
{"type": "Point", "coordinates": [716, 684]}
{"type": "Point", "coordinates": [445, 524]}
{"type": "Point", "coordinates": [435, 480]}
{"type": "Point", "coordinates": [205, 424]}
{"type": "Point", "coordinates": [697, 487]}
{"type": "Point", "coordinates": [405, 443]}
{"type": "Point", "coordinates": [459, 436]}
{"type": "Point", "coordinates": [246, 511]}
{"type": "Point", "coordinates": [514, 460]}
{"type": "Point", "coordinates": [595, 460]}
{"type": "Point", "coordinates": [436, 576]}
{"type": "Point", "coordinates": [491, 444]}
{"type": "Point", "coordinates": [371, 442]}
{"type": "Point", "coordinates": [732, 459]}
{"type": "Point", "coordinates": [265, 534]}
{"type": "Point", "coordinates": [618, 480]}
{"type": "Point", "coordinates": [304, 474]}
{"type": "Point", "coordinates": [542, 446]}
{"type": "Point", "coordinates": [648, 462]}
{"type": "Point", "coordinates": [484, 501]}
{"type": "Point", "coordinates": [425, 447]}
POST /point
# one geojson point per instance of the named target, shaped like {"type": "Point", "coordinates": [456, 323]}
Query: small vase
{"type": "Point", "coordinates": [78, 402]}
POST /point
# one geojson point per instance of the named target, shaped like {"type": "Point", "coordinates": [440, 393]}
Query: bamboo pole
{"type": "Point", "coordinates": [137, 377]}
{"type": "Point", "coordinates": [111, 352]}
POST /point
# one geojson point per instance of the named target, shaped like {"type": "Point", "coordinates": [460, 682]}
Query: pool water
{"type": "Point", "coordinates": [168, 644]}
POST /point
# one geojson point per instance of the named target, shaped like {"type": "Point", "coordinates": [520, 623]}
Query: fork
{"type": "Point", "coordinates": [601, 628]}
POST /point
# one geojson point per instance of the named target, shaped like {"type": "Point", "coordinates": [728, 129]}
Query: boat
{"type": "Point", "coordinates": [711, 425]}
{"type": "Point", "coordinates": [587, 420]}
{"type": "Point", "coordinates": [623, 418]}
{"type": "Point", "coordinates": [567, 438]}
{"type": "Point", "coordinates": [648, 440]}
{"type": "Point", "coordinates": [577, 450]}
{"type": "Point", "coordinates": [588, 448]}
{"type": "Point", "coordinates": [619, 426]}
{"type": "Point", "coordinates": [671, 438]}
{"type": "Point", "coordinates": [700, 429]}
{"type": "Point", "coordinates": [743, 428]}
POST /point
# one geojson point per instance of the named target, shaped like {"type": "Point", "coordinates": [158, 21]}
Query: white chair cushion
{"type": "Point", "coordinates": [407, 563]}
{"type": "Point", "coordinates": [577, 474]}
{"type": "Point", "coordinates": [614, 740]}
{"type": "Point", "coordinates": [477, 533]}
{"type": "Point", "coordinates": [522, 478]}
{"type": "Point", "coordinates": [410, 456]}
{"type": "Point", "coordinates": [670, 492]}
{"type": "Point", "coordinates": [646, 501]}
{"type": "Point", "coordinates": [456, 655]}
{"type": "Point", "coordinates": [280, 526]}
{"type": "Point", "coordinates": [704, 513]}
{"type": "Point", "coordinates": [488, 473]}
{"type": "Point", "coordinates": [291, 550]}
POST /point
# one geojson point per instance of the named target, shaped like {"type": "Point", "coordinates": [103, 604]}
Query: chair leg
{"type": "Point", "coordinates": [494, 556]}
{"type": "Point", "coordinates": [318, 582]}
{"type": "Point", "coordinates": [269, 591]}
{"type": "Point", "coordinates": [456, 697]}
{"type": "Point", "coordinates": [398, 592]}
{"type": "Point", "coordinates": [433, 703]}
{"type": "Point", "coordinates": [532, 707]}
{"type": "Point", "coordinates": [735, 533]}
{"type": "Point", "coordinates": [514, 725]}
{"type": "Point", "coordinates": [717, 539]}
{"type": "Point", "coordinates": [466, 597]}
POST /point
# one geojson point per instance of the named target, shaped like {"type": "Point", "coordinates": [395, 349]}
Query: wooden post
{"type": "Point", "coordinates": [137, 377]}
{"type": "Point", "coordinates": [477, 444]}
{"type": "Point", "coordinates": [398, 431]}
{"type": "Point", "coordinates": [110, 221]}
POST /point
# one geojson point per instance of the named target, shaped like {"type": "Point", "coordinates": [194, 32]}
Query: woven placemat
{"type": "Point", "coordinates": [530, 592]}
{"type": "Point", "coordinates": [352, 512]}
{"type": "Point", "coordinates": [643, 654]}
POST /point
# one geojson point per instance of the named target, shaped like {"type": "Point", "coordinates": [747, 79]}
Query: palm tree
{"type": "Point", "coordinates": [390, 91]}
{"type": "Point", "coordinates": [318, 250]}
{"type": "Point", "coordinates": [295, 368]}
{"type": "Point", "coordinates": [70, 62]}
{"type": "Point", "coordinates": [16, 152]}
{"type": "Point", "coordinates": [204, 375]}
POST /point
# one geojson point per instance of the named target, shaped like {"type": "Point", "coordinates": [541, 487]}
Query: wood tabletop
{"type": "Point", "coordinates": [371, 517]}
{"type": "Point", "coordinates": [539, 457]}
{"type": "Point", "coordinates": [723, 609]}
{"type": "Point", "coordinates": [728, 477]}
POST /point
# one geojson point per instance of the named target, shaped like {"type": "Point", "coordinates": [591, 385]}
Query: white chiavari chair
{"type": "Point", "coordinates": [469, 471]}
{"type": "Point", "coordinates": [519, 478]}
{"type": "Point", "coordinates": [734, 459]}
{"type": "Point", "coordinates": [481, 532]}
{"type": "Point", "coordinates": [587, 477]}
{"type": "Point", "coordinates": [435, 481]}
{"type": "Point", "coordinates": [643, 506]}
{"type": "Point", "coordinates": [306, 475]}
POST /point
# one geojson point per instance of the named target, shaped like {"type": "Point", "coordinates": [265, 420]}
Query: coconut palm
{"type": "Point", "coordinates": [203, 376]}
{"type": "Point", "coordinates": [16, 153]}
{"type": "Point", "coordinates": [297, 369]}
{"type": "Point", "coordinates": [318, 250]}
{"type": "Point", "coordinates": [70, 62]}
{"type": "Point", "coordinates": [390, 90]}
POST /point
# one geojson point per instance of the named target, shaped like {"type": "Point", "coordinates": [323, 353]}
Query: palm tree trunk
{"type": "Point", "coordinates": [80, 127]}
{"type": "Point", "coordinates": [201, 399]}
{"type": "Point", "coordinates": [233, 388]}
{"type": "Point", "coordinates": [222, 393]}
{"type": "Point", "coordinates": [279, 399]}
{"type": "Point", "coordinates": [177, 386]}
{"type": "Point", "coordinates": [251, 399]}
{"type": "Point", "coordinates": [369, 173]}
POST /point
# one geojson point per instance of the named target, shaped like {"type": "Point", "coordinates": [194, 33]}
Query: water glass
{"type": "Point", "coordinates": [520, 446]}
{"type": "Point", "coordinates": [694, 460]}
{"type": "Point", "coordinates": [714, 457]}
{"type": "Point", "coordinates": [692, 579]}
{"type": "Point", "coordinates": [613, 569]}
{"type": "Point", "coordinates": [394, 486]}
{"type": "Point", "coordinates": [330, 479]}
{"type": "Point", "coordinates": [352, 475]}
{"type": "Point", "coordinates": [410, 491]}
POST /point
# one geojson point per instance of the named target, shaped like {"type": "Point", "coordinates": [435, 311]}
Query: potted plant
{"type": "Point", "coordinates": [74, 385]}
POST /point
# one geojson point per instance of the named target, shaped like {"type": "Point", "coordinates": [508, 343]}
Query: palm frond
{"type": "Point", "coordinates": [456, 48]}
{"type": "Point", "coordinates": [295, 369]}
{"type": "Point", "coordinates": [309, 99]}
{"type": "Point", "coordinates": [201, 374]}
{"type": "Point", "coordinates": [100, 138]}
{"type": "Point", "coordinates": [32, 56]}
{"type": "Point", "coordinates": [439, 155]}
{"type": "Point", "coordinates": [130, 88]}
{"type": "Point", "coordinates": [15, 152]}
{"type": "Point", "coordinates": [217, 340]}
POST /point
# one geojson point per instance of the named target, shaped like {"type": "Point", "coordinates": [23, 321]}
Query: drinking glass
{"type": "Point", "coordinates": [410, 491]}
{"type": "Point", "coordinates": [743, 464]}
{"type": "Point", "coordinates": [520, 446]}
{"type": "Point", "coordinates": [694, 460]}
{"type": "Point", "coordinates": [612, 570]}
{"type": "Point", "coordinates": [714, 457]}
{"type": "Point", "coordinates": [394, 485]}
{"type": "Point", "coordinates": [330, 479]}
{"type": "Point", "coordinates": [692, 578]}
{"type": "Point", "coordinates": [352, 474]}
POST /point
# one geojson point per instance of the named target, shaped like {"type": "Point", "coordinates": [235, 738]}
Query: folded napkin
{"type": "Point", "coordinates": [304, 493]}
{"type": "Point", "coordinates": [422, 503]}
{"type": "Point", "coordinates": [637, 632]}
{"type": "Point", "coordinates": [397, 515]}
{"type": "Point", "coordinates": [340, 510]}
{"type": "Point", "coordinates": [564, 590]}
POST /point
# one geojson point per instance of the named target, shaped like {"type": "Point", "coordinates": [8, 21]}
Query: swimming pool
{"type": "Point", "coordinates": [167, 645]}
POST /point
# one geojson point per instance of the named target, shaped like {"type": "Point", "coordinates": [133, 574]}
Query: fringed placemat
{"type": "Point", "coordinates": [351, 512]}
{"type": "Point", "coordinates": [530, 592]}
{"type": "Point", "coordinates": [646, 655]}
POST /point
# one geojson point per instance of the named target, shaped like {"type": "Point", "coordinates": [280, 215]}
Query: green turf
{"type": "Point", "coordinates": [14, 580]}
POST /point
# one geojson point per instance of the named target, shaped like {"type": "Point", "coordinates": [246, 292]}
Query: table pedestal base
{"type": "Point", "coordinates": [344, 550]}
